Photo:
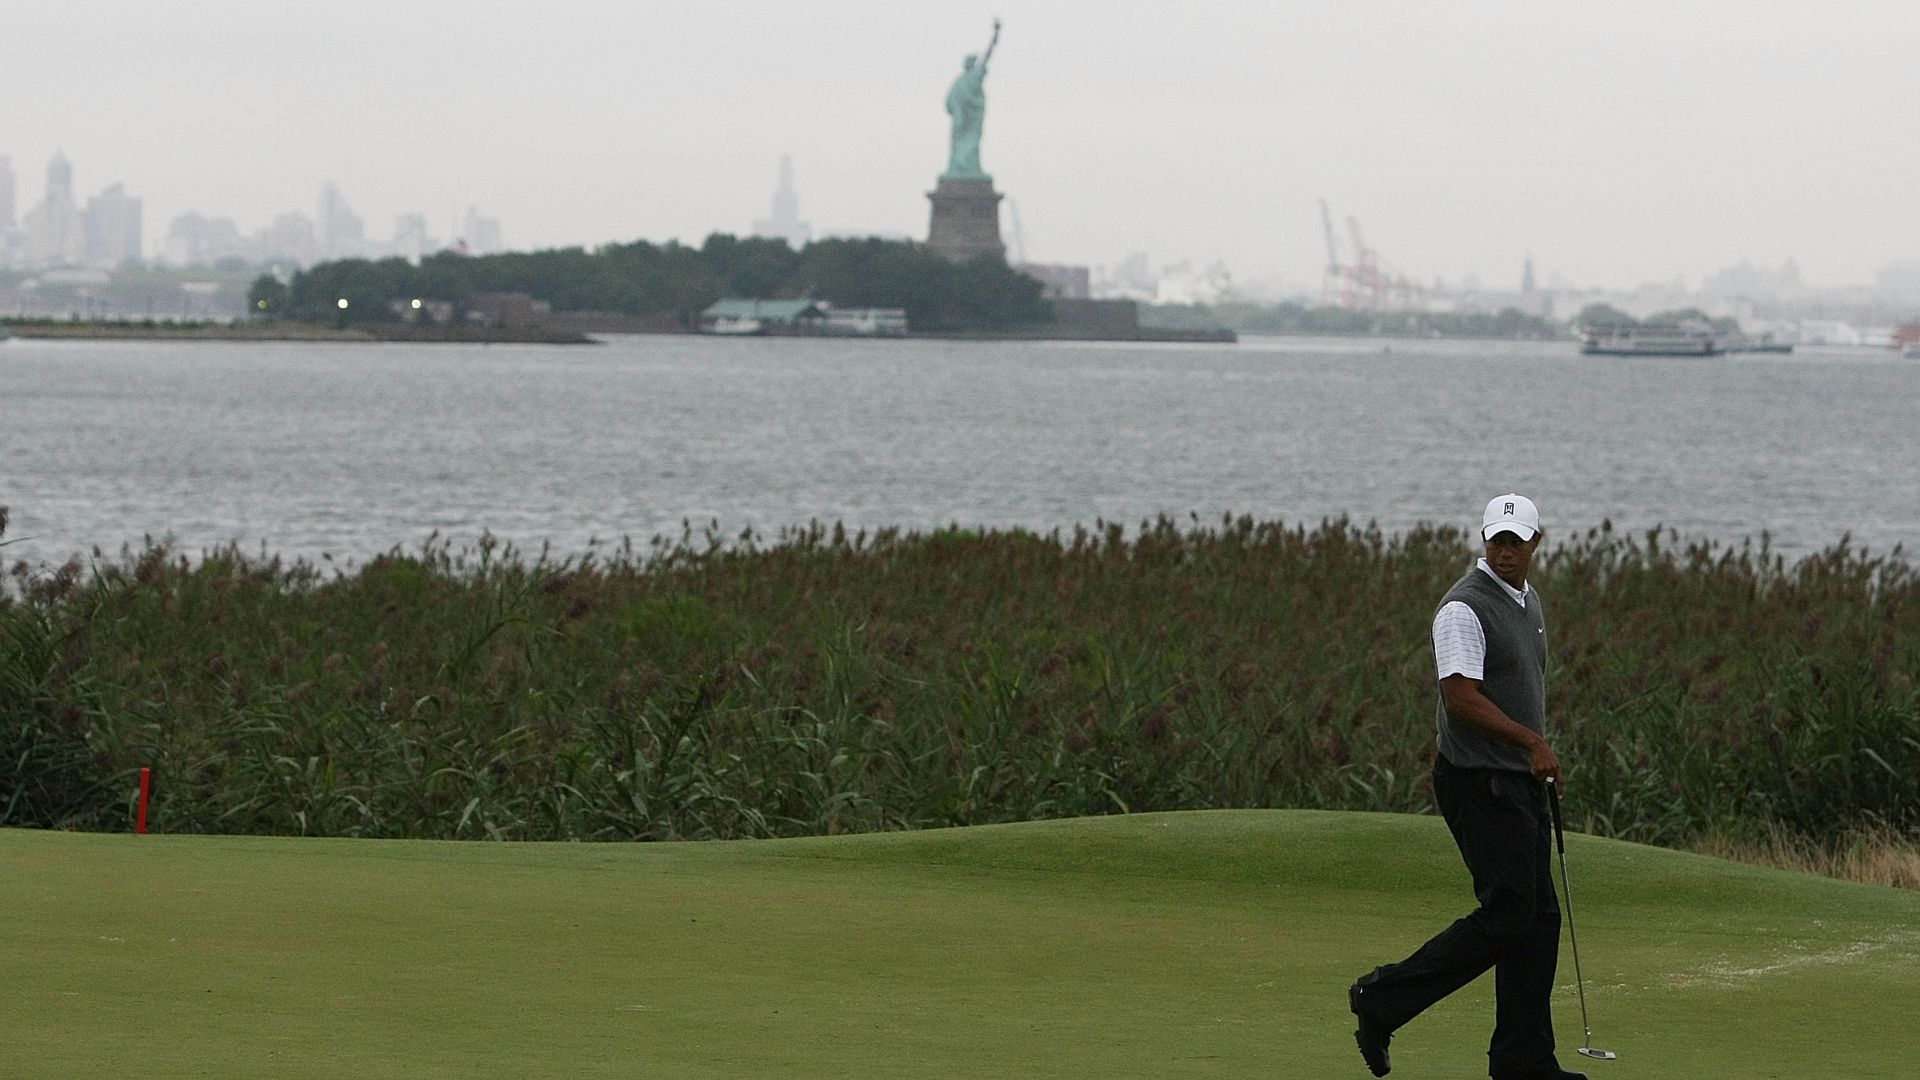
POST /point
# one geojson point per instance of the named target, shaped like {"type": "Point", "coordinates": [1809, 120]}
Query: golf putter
{"type": "Point", "coordinates": [1566, 890]}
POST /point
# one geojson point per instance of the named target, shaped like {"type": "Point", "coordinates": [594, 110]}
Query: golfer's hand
{"type": "Point", "coordinates": [1546, 764]}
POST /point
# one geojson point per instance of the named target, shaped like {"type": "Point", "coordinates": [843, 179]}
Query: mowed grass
{"type": "Point", "coordinates": [1215, 944]}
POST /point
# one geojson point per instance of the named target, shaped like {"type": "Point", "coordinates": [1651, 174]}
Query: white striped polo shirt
{"type": "Point", "coordinates": [1459, 643]}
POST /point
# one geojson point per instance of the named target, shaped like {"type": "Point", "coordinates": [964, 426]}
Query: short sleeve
{"type": "Point", "coordinates": [1459, 643]}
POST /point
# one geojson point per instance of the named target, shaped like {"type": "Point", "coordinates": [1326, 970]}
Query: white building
{"type": "Point", "coordinates": [866, 322]}
{"type": "Point", "coordinates": [1181, 283]}
{"type": "Point", "coordinates": [1133, 278]}
{"type": "Point", "coordinates": [193, 240]}
{"type": "Point", "coordinates": [1829, 332]}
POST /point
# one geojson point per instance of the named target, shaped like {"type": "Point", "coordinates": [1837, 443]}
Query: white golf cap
{"type": "Point", "coordinates": [1510, 513]}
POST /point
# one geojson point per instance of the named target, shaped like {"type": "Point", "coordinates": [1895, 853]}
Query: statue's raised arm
{"type": "Point", "coordinates": [991, 42]}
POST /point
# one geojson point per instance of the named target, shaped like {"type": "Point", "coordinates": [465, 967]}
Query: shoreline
{"type": "Point", "coordinates": [594, 331]}
{"type": "Point", "coordinates": [1144, 334]}
{"type": "Point", "coordinates": [1760, 547]}
{"type": "Point", "coordinates": [55, 330]}
{"type": "Point", "coordinates": [52, 329]}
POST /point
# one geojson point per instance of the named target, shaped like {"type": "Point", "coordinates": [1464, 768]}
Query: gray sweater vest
{"type": "Point", "coordinates": [1515, 676]}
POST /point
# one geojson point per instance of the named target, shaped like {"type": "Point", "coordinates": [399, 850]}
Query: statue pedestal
{"type": "Point", "coordinates": [966, 220]}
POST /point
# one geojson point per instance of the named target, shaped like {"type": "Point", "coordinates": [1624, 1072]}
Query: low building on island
{"type": "Point", "coordinates": [506, 309]}
{"type": "Point", "coordinates": [738, 316]}
{"type": "Point", "coordinates": [867, 322]}
{"type": "Point", "coordinates": [735, 315]}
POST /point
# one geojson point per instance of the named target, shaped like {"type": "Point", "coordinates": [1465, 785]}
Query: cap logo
{"type": "Point", "coordinates": [1509, 508]}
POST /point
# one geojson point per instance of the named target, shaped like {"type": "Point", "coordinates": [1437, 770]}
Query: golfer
{"type": "Point", "coordinates": [1490, 645]}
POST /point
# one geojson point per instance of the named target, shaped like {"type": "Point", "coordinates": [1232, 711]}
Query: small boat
{"type": "Point", "coordinates": [1650, 341]}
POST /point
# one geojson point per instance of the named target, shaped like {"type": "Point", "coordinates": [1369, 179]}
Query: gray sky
{"type": "Point", "coordinates": [1619, 142]}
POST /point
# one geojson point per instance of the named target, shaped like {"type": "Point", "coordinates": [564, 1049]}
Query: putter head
{"type": "Point", "coordinates": [1598, 1055]}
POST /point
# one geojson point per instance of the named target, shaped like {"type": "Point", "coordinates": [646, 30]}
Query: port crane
{"type": "Point", "coordinates": [1364, 282]}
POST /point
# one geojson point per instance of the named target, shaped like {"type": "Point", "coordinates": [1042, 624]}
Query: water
{"type": "Point", "coordinates": [347, 451]}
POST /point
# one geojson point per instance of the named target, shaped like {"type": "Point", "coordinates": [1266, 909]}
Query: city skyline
{"type": "Point", "coordinates": [60, 233]}
{"type": "Point", "coordinates": [1617, 145]}
{"type": "Point", "coordinates": [106, 231]}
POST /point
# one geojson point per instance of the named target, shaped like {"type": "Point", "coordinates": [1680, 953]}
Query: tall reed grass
{"type": "Point", "coordinates": [821, 681]}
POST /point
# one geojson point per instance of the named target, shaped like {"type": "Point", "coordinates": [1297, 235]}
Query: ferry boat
{"type": "Point", "coordinates": [1650, 341]}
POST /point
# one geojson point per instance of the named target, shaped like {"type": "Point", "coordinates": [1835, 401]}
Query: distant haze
{"type": "Point", "coordinates": [1616, 142]}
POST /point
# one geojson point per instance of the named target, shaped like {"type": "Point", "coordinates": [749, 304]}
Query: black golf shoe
{"type": "Point", "coordinates": [1371, 1035]}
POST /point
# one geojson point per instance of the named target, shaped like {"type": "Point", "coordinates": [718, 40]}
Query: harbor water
{"type": "Point", "coordinates": [344, 451]}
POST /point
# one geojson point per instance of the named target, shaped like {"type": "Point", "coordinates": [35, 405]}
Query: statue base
{"type": "Point", "coordinates": [966, 219]}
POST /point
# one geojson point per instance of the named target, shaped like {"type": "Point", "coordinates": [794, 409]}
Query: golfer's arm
{"type": "Point", "coordinates": [1466, 702]}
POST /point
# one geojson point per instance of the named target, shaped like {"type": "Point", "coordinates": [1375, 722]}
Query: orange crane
{"type": "Point", "coordinates": [1366, 283]}
{"type": "Point", "coordinates": [1369, 290]}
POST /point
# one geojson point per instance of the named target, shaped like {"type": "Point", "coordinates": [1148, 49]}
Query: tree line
{"type": "Point", "coordinates": [1606, 316]}
{"type": "Point", "coordinates": [673, 280]}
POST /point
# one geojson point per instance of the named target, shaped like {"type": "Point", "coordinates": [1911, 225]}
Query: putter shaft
{"type": "Point", "coordinates": [1566, 891]}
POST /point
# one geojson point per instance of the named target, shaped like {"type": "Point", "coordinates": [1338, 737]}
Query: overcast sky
{"type": "Point", "coordinates": [1618, 142]}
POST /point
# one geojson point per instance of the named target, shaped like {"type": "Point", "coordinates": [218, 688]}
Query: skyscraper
{"type": "Point", "coordinates": [784, 223]}
{"type": "Point", "coordinates": [13, 243]}
{"type": "Point", "coordinates": [289, 239]}
{"type": "Point", "coordinates": [482, 233]}
{"type": "Point", "coordinates": [7, 220]}
{"type": "Point", "coordinates": [112, 228]}
{"type": "Point", "coordinates": [60, 177]}
{"type": "Point", "coordinates": [410, 240]}
{"type": "Point", "coordinates": [54, 234]}
{"type": "Point", "coordinates": [193, 240]}
{"type": "Point", "coordinates": [342, 234]}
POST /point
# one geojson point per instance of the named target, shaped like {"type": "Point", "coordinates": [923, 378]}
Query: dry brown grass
{"type": "Point", "coordinates": [1871, 854]}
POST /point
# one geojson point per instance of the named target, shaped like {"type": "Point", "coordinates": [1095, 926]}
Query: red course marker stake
{"type": "Point", "coordinates": [146, 788]}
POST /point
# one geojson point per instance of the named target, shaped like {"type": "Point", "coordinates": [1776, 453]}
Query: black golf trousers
{"type": "Point", "coordinates": [1501, 823]}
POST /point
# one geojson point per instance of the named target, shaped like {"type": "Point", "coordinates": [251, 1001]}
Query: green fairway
{"type": "Point", "coordinates": [1214, 944]}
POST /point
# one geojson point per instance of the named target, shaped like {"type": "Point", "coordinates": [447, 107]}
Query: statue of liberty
{"type": "Point", "coordinates": [967, 104]}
